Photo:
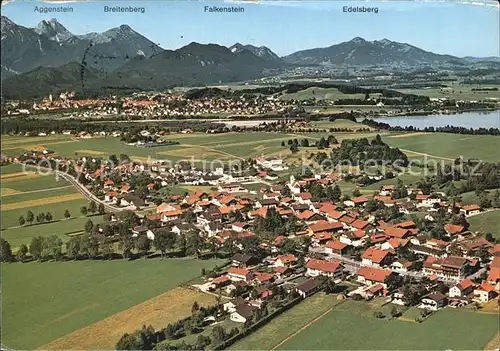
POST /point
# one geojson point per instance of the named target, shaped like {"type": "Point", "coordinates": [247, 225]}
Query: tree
{"type": "Point", "coordinates": [394, 312]}
{"type": "Point", "coordinates": [36, 247]}
{"type": "Point", "coordinates": [73, 247]}
{"type": "Point", "coordinates": [164, 240]}
{"type": "Point", "coordinates": [40, 218]}
{"type": "Point", "coordinates": [88, 226]}
{"type": "Point", "coordinates": [83, 210]}
{"type": "Point", "coordinates": [48, 217]}
{"type": "Point", "coordinates": [107, 249]}
{"type": "Point", "coordinates": [336, 194]}
{"type": "Point", "coordinates": [92, 207]}
{"type": "Point", "coordinates": [21, 220]}
{"type": "Point", "coordinates": [495, 201]}
{"type": "Point", "coordinates": [126, 244]}
{"type": "Point", "coordinates": [30, 217]}
{"type": "Point", "coordinates": [378, 314]}
{"type": "Point", "coordinates": [143, 244]}
{"type": "Point", "coordinates": [294, 148]}
{"type": "Point", "coordinates": [22, 253]}
{"type": "Point", "coordinates": [100, 209]}
{"type": "Point", "coordinates": [114, 160]}
{"type": "Point", "coordinates": [195, 308]}
{"type": "Point", "coordinates": [5, 251]}
{"type": "Point", "coordinates": [218, 335]}
{"type": "Point", "coordinates": [67, 214]}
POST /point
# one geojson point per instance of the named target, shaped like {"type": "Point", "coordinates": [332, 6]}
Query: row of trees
{"type": "Point", "coordinates": [446, 129]}
{"type": "Point", "coordinates": [41, 217]}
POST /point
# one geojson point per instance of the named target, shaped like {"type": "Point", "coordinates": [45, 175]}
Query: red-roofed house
{"type": "Point", "coordinates": [376, 257]}
{"type": "Point", "coordinates": [354, 238]}
{"type": "Point", "coordinates": [239, 274]}
{"type": "Point", "coordinates": [332, 269]}
{"type": "Point", "coordinates": [369, 276]}
{"type": "Point", "coordinates": [397, 232]}
{"type": "Point", "coordinates": [325, 226]}
{"type": "Point", "coordinates": [335, 247]}
{"type": "Point", "coordinates": [462, 289]}
{"type": "Point", "coordinates": [470, 209]}
{"type": "Point", "coordinates": [494, 274]}
{"type": "Point", "coordinates": [485, 293]}
{"type": "Point", "coordinates": [285, 260]}
{"type": "Point", "coordinates": [452, 229]}
{"type": "Point", "coordinates": [356, 201]}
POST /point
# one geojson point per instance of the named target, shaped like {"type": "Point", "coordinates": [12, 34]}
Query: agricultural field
{"type": "Point", "coordinates": [457, 92]}
{"type": "Point", "coordinates": [158, 312]}
{"type": "Point", "coordinates": [23, 191]}
{"type": "Point", "coordinates": [287, 323]}
{"type": "Point", "coordinates": [446, 146]}
{"type": "Point", "coordinates": [488, 222]}
{"type": "Point", "coordinates": [340, 329]}
{"type": "Point", "coordinates": [321, 94]}
{"type": "Point", "coordinates": [104, 289]}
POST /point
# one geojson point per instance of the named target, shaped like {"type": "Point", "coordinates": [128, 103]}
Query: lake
{"type": "Point", "coordinates": [467, 120]}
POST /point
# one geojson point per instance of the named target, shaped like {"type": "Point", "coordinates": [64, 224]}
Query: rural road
{"type": "Point", "coordinates": [81, 189]}
{"type": "Point", "coordinates": [86, 192]}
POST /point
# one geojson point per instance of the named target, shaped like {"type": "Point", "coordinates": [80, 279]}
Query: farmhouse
{"type": "Point", "coordinates": [370, 276]}
{"type": "Point", "coordinates": [462, 289]}
{"type": "Point", "coordinates": [470, 210]}
{"type": "Point", "coordinates": [356, 201]}
{"type": "Point", "coordinates": [433, 301]}
{"type": "Point", "coordinates": [484, 293]}
{"type": "Point", "coordinates": [239, 274]}
{"type": "Point", "coordinates": [335, 247]}
{"type": "Point", "coordinates": [376, 257]}
{"type": "Point", "coordinates": [332, 269]}
{"type": "Point", "coordinates": [308, 287]}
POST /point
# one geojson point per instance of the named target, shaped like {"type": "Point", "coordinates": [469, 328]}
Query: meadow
{"type": "Point", "coordinates": [488, 222]}
{"type": "Point", "coordinates": [104, 288]}
{"type": "Point", "coordinates": [457, 92]}
{"type": "Point", "coordinates": [447, 329]}
{"type": "Point", "coordinates": [323, 323]}
{"type": "Point", "coordinates": [446, 146]}
{"type": "Point", "coordinates": [38, 193]}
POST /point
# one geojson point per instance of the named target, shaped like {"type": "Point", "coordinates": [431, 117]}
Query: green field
{"type": "Point", "coordinates": [457, 92]}
{"type": "Point", "coordinates": [321, 94]}
{"type": "Point", "coordinates": [346, 329]}
{"type": "Point", "coordinates": [23, 235]}
{"type": "Point", "coordinates": [44, 301]}
{"type": "Point", "coordinates": [488, 222]}
{"type": "Point", "coordinates": [449, 146]}
{"type": "Point", "coordinates": [290, 321]}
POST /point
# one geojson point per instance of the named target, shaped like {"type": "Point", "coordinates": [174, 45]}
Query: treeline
{"type": "Point", "coordinates": [323, 143]}
{"type": "Point", "coordinates": [446, 129]}
{"type": "Point", "coordinates": [296, 87]}
{"type": "Point", "coordinates": [358, 152]}
{"type": "Point", "coordinates": [38, 125]}
{"type": "Point", "coordinates": [171, 337]}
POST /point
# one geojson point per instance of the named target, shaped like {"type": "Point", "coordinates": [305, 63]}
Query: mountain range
{"type": "Point", "coordinates": [48, 57]}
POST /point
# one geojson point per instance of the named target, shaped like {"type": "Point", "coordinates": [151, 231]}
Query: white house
{"type": "Point", "coordinates": [484, 293]}
{"type": "Point", "coordinates": [462, 289]}
{"type": "Point", "coordinates": [433, 301]}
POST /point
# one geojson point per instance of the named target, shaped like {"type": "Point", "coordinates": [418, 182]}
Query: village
{"type": "Point", "coordinates": [282, 239]}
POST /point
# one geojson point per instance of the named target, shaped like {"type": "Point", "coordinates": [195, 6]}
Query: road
{"type": "Point", "coordinates": [86, 192]}
{"type": "Point", "coordinates": [80, 188]}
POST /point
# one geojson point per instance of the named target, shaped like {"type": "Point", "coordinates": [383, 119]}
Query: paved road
{"type": "Point", "coordinates": [86, 192]}
{"type": "Point", "coordinates": [353, 266]}
{"type": "Point", "coordinates": [81, 189]}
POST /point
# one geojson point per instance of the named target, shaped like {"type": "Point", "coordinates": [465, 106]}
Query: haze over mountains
{"type": "Point", "coordinates": [49, 57]}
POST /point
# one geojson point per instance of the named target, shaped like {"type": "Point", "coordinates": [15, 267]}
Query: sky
{"type": "Point", "coordinates": [460, 29]}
